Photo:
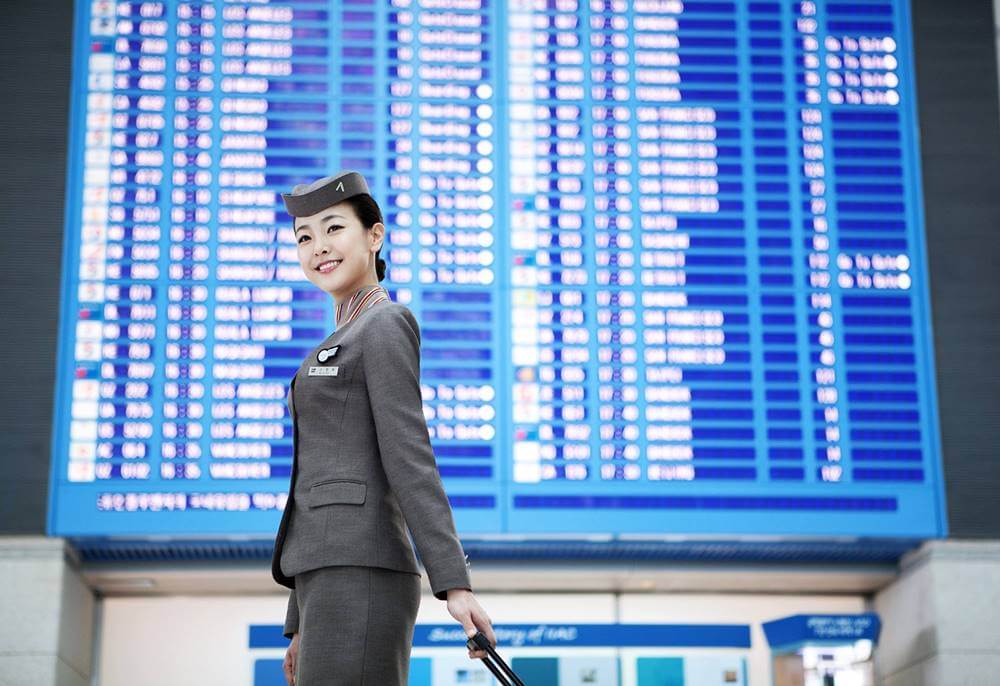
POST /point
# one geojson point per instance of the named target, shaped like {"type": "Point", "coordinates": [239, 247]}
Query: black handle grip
{"type": "Point", "coordinates": [480, 642]}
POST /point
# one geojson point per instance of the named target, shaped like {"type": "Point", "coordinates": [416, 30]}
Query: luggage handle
{"type": "Point", "coordinates": [479, 641]}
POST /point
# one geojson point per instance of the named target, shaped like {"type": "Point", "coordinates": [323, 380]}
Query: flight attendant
{"type": "Point", "coordinates": [363, 471]}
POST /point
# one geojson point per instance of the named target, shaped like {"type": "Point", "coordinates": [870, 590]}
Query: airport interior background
{"type": "Point", "coordinates": [710, 313]}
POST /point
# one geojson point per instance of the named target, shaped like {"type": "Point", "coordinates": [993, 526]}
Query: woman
{"type": "Point", "coordinates": [363, 469]}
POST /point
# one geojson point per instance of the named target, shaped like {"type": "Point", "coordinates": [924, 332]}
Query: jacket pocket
{"type": "Point", "coordinates": [343, 491]}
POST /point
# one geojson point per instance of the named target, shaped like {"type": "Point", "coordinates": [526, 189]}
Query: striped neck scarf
{"type": "Point", "coordinates": [363, 299]}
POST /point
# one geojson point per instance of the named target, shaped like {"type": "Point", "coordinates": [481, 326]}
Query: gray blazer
{"type": "Point", "coordinates": [363, 462]}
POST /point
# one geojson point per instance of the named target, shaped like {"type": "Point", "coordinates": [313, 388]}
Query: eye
{"type": "Point", "coordinates": [301, 237]}
{"type": "Point", "coordinates": [334, 226]}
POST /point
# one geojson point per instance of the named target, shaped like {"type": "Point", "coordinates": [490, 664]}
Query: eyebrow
{"type": "Point", "coordinates": [329, 216]}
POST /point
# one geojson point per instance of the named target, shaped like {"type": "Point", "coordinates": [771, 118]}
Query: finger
{"type": "Point", "coordinates": [468, 625]}
{"type": "Point", "coordinates": [486, 626]}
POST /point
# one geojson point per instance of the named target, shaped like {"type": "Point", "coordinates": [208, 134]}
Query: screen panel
{"type": "Point", "coordinates": [667, 259]}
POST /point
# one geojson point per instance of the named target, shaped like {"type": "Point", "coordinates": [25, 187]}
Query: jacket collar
{"type": "Point", "coordinates": [361, 298]}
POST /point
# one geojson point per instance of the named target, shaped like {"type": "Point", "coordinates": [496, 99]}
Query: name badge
{"type": "Point", "coordinates": [323, 371]}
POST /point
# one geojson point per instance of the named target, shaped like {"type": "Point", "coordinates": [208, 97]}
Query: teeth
{"type": "Point", "coordinates": [333, 262]}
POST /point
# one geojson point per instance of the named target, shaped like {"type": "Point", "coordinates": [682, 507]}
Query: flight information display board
{"type": "Point", "coordinates": [667, 258]}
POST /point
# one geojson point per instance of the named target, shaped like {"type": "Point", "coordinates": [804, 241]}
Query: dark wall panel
{"type": "Point", "coordinates": [960, 141]}
{"type": "Point", "coordinates": [35, 49]}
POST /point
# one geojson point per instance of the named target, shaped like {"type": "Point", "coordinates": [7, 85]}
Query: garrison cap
{"type": "Point", "coordinates": [309, 198]}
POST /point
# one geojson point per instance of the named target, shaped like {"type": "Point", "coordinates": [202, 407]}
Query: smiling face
{"type": "Point", "coordinates": [336, 252]}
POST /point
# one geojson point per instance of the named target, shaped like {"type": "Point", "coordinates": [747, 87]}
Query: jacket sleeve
{"type": "Point", "coordinates": [291, 616]}
{"type": "Point", "coordinates": [392, 373]}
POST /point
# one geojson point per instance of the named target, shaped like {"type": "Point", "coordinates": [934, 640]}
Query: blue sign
{"type": "Point", "coordinates": [798, 629]}
{"type": "Point", "coordinates": [591, 635]}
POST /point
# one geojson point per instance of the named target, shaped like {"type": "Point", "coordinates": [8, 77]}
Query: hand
{"type": "Point", "coordinates": [291, 660]}
{"type": "Point", "coordinates": [463, 606]}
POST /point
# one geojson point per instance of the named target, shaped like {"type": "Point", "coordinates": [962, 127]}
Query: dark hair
{"type": "Point", "coordinates": [369, 213]}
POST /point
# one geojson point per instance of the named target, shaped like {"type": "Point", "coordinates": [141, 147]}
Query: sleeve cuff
{"type": "Point", "coordinates": [454, 574]}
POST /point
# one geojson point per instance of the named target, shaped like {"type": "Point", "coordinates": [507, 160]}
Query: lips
{"type": "Point", "coordinates": [328, 266]}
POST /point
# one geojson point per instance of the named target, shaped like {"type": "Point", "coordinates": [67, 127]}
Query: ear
{"type": "Point", "coordinates": [377, 235]}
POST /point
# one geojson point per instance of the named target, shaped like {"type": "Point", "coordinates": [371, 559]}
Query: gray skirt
{"type": "Point", "coordinates": [355, 626]}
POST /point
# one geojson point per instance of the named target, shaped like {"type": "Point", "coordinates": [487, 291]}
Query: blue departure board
{"type": "Point", "coordinates": [667, 259]}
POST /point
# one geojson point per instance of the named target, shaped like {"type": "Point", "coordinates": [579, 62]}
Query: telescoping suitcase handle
{"type": "Point", "coordinates": [479, 641]}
